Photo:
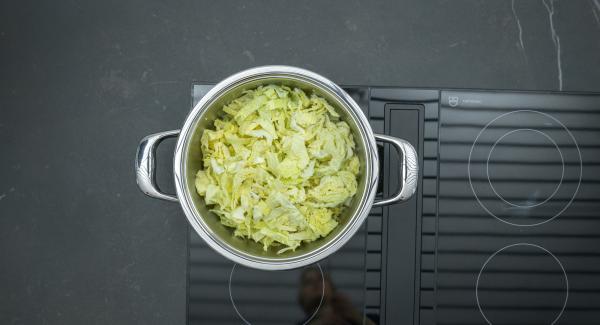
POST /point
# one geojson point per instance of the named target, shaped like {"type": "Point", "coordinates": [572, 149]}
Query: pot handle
{"type": "Point", "coordinates": [145, 169]}
{"type": "Point", "coordinates": [409, 167]}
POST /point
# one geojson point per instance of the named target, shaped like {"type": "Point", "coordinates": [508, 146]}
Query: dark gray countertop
{"type": "Point", "coordinates": [82, 83]}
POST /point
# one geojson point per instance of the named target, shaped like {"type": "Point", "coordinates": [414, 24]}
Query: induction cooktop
{"type": "Point", "coordinates": [504, 228]}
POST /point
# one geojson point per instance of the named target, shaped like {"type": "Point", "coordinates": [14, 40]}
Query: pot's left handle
{"type": "Point", "coordinates": [145, 169]}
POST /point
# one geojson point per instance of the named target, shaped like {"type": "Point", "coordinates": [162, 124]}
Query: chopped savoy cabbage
{"type": "Point", "coordinates": [279, 167]}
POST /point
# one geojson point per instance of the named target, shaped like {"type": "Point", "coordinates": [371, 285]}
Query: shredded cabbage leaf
{"type": "Point", "coordinates": [279, 167]}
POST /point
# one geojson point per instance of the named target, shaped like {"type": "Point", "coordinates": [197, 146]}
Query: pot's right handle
{"type": "Point", "coordinates": [409, 167]}
{"type": "Point", "coordinates": [145, 165]}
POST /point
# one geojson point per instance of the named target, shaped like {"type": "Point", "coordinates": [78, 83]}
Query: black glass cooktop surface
{"type": "Point", "coordinates": [504, 228]}
{"type": "Point", "coordinates": [330, 292]}
{"type": "Point", "coordinates": [518, 235]}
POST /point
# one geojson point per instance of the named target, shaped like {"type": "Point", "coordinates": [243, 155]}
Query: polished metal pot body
{"type": "Point", "coordinates": [188, 160]}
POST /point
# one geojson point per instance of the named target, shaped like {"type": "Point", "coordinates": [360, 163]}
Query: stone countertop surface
{"type": "Point", "coordinates": [82, 82]}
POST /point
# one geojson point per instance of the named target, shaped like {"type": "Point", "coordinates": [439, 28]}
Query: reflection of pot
{"type": "Point", "coordinates": [188, 161]}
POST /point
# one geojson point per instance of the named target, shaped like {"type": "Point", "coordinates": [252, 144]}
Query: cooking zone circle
{"type": "Point", "coordinates": [525, 278]}
{"type": "Point", "coordinates": [535, 172]}
{"type": "Point", "coordinates": [254, 285]}
{"type": "Point", "coordinates": [526, 204]}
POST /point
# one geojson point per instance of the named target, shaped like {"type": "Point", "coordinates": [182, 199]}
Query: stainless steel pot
{"type": "Point", "coordinates": [188, 160]}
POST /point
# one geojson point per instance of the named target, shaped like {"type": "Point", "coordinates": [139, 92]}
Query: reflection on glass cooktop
{"type": "Point", "coordinates": [330, 292]}
{"type": "Point", "coordinates": [525, 167]}
{"type": "Point", "coordinates": [518, 235]}
{"type": "Point", "coordinates": [504, 227]}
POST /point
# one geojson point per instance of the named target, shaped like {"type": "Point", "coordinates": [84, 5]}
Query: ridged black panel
{"type": "Point", "coordinates": [523, 283]}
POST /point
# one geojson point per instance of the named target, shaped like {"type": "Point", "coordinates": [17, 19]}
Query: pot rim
{"type": "Point", "coordinates": [371, 168]}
